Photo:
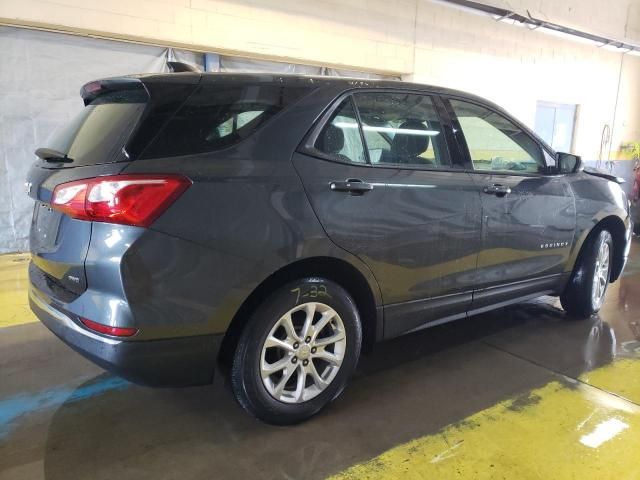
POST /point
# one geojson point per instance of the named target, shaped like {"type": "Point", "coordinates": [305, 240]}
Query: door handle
{"type": "Point", "coordinates": [352, 185]}
{"type": "Point", "coordinates": [497, 190]}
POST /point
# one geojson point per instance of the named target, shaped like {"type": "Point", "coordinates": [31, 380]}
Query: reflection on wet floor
{"type": "Point", "coordinates": [522, 392]}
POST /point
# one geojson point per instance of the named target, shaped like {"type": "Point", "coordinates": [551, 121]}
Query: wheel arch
{"type": "Point", "coordinates": [337, 270]}
{"type": "Point", "coordinates": [616, 227]}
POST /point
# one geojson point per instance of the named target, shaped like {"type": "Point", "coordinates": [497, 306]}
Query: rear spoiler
{"type": "Point", "coordinates": [599, 173]}
{"type": "Point", "coordinates": [92, 90]}
{"type": "Point", "coordinates": [181, 67]}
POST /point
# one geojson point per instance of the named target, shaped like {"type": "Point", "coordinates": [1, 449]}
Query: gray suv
{"type": "Point", "coordinates": [278, 225]}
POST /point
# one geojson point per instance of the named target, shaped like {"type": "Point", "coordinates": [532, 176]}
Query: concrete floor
{"type": "Point", "coordinates": [518, 393]}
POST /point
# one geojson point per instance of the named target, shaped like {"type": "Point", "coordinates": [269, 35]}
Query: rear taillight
{"type": "Point", "coordinates": [125, 199]}
{"type": "Point", "coordinates": [108, 330]}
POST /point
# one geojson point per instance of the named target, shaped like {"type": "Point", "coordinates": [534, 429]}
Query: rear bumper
{"type": "Point", "coordinates": [168, 362]}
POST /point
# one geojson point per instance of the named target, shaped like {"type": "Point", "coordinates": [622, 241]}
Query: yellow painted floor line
{"type": "Point", "coordinates": [14, 304]}
{"type": "Point", "coordinates": [621, 377]}
{"type": "Point", "coordinates": [564, 430]}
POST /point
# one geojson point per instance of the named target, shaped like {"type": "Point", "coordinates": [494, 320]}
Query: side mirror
{"type": "Point", "coordinates": [568, 163]}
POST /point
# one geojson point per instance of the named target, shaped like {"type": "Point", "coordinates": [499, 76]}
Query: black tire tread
{"type": "Point", "coordinates": [576, 297]}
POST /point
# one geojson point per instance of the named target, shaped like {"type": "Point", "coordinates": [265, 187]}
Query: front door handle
{"type": "Point", "coordinates": [497, 190]}
{"type": "Point", "coordinates": [352, 185]}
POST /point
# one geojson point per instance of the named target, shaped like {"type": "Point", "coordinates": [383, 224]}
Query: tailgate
{"type": "Point", "coordinates": [59, 243]}
{"type": "Point", "coordinates": [91, 144]}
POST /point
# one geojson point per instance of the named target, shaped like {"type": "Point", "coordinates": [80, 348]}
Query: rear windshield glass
{"type": "Point", "coordinates": [218, 116]}
{"type": "Point", "coordinates": [99, 131]}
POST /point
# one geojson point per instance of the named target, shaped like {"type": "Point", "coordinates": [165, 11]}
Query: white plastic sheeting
{"type": "Point", "coordinates": [40, 80]}
{"type": "Point", "coordinates": [237, 64]}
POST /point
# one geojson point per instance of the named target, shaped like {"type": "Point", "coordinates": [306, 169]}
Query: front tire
{"type": "Point", "coordinates": [297, 351]}
{"type": "Point", "coordinates": [587, 287]}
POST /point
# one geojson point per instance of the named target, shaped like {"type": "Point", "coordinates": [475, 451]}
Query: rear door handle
{"type": "Point", "coordinates": [497, 190]}
{"type": "Point", "coordinates": [352, 185]}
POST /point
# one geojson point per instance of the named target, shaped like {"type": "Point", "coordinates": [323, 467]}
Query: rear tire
{"type": "Point", "coordinates": [585, 293]}
{"type": "Point", "coordinates": [297, 351]}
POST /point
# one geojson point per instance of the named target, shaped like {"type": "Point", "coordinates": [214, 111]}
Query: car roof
{"type": "Point", "coordinates": [286, 78]}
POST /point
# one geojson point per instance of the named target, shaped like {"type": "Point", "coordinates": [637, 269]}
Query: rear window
{"type": "Point", "coordinates": [98, 132]}
{"type": "Point", "coordinates": [219, 116]}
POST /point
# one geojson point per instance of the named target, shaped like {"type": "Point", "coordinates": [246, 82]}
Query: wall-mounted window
{"type": "Point", "coordinates": [555, 123]}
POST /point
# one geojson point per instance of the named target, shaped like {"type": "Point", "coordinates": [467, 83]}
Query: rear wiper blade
{"type": "Point", "coordinates": [50, 155]}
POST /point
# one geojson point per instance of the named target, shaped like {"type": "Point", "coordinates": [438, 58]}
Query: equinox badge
{"type": "Point", "coordinates": [553, 245]}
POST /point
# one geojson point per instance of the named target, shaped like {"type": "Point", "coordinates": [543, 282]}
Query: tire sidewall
{"type": "Point", "coordinates": [247, 380]}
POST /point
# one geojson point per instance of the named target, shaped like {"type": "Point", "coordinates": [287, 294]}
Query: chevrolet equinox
{"type": "Point", "coordinates": [278, 225]}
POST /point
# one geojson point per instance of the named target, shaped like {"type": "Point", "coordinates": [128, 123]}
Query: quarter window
{"type": "Point", "coordinates": [495, 143]}
{"type": "Point", "coordinates": [219, 116]}
{"type": "Point", "coordinates": [402, 129]}
{"type": "Point", "coordinates": [340, 138]}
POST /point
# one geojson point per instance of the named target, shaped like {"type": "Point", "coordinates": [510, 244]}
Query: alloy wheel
{"type": "Point", "coordinates": [303, 352]}
{"type": "Point", "coordinates": [600, 275]}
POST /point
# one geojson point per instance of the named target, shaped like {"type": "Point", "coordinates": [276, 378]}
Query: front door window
{"type": "Point", "coordinates": [495, 143]}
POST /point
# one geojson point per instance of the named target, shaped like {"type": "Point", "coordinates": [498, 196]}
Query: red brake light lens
{"type": "Point", "coordinates": [108, 330]}
{"type": "Point", "coordinates": [124, 199]}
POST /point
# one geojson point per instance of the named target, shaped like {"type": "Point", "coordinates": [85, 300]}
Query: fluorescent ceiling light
{"type": "Point", "coordinates": [403, 131]}
{"type": "Point", "coordinates": [462, 8]}
{"type": "Point", "coordinates": [518, 20]}
{"type": "Point", "coordinates": [346, 125]}
{"type": "Point", "coordinates": [615, 48]}
{"type": "Point", "coordinates": [568, 36]}
{"type": "Point", "coordinates": [509, 21]}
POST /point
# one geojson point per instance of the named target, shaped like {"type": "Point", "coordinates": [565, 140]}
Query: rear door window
{"type": "Point", "coordinates": [218, 116]}
{"type": "Point", "coordinates": [402, 129]}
